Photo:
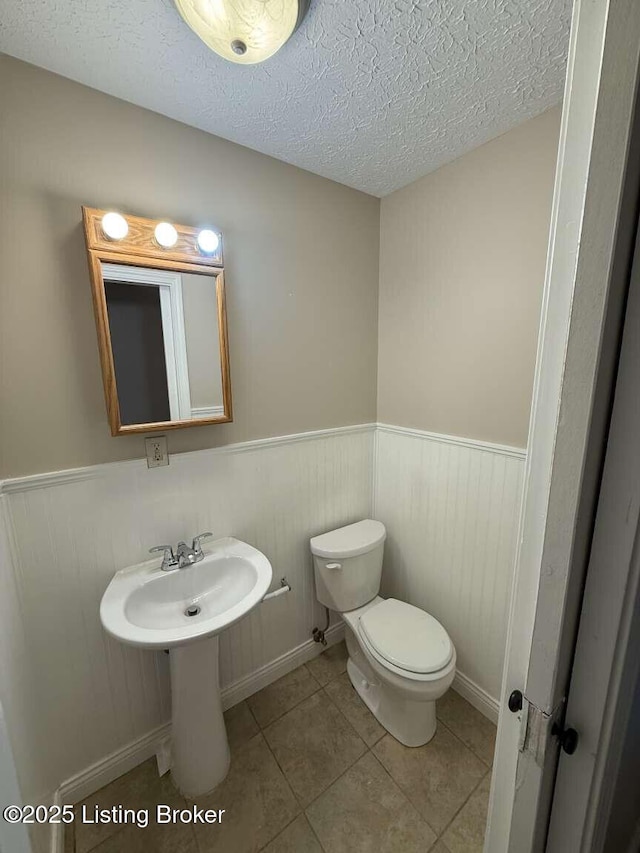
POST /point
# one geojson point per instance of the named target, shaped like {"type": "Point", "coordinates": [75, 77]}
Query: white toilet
{"type": "Point", "coordinates": [401, 659]}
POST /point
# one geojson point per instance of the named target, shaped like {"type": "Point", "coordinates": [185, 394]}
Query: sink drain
{"type": "Point", "coordinates": [192, 610]}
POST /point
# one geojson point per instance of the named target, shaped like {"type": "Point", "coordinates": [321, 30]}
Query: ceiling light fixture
{"type": "Point", "coordinates": [114, 226]}
{"type": "Point", "coordinates": [244, 31]}
{"type": "Point", "coordinates": [166, 235]}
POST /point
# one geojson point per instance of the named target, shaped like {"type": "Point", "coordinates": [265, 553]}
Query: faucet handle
{"type": "Point", "coordinates": [168, 557]}
{"type": "Point", "coordinates": [195, 545]}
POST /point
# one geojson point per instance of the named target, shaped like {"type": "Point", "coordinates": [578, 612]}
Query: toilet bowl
{"type": "Point", "coordinates": [401, 659]}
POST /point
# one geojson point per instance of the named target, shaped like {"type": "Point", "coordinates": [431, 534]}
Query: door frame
{"type": "Point", "coordinates": [578, 344]}
{"type": "Point", "coordinates": [169, 284]}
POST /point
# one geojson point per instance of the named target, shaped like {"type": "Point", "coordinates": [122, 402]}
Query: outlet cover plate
{"type": "Point", "coordinates": [156, 450]}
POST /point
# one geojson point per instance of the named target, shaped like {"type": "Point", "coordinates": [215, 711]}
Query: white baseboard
{"type": "Point", "coordinates": [98, 775]}
{"type": "Point", "coordinates": [102, 772]}
{"type": "Point", "coordinates": [476, 696]}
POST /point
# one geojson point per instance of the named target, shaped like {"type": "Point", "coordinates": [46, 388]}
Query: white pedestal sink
{"type": "Point", "coordinates": [146, 607]}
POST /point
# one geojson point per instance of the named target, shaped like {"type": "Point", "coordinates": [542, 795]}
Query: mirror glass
{"type": "Point", "coordinates": [165, 343]}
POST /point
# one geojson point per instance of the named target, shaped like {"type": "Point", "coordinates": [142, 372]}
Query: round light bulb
{"type": "Point", "coordinates": [115, 226]}
{"type": "Point", "coordinates": [166, 235]}
{"type": "Point", "coordinates": [208, 241]}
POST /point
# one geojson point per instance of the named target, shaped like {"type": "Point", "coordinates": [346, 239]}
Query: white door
{"type": "Point", "coordinates": [581, 317]}
{"type": "Point", "coordinates": [606, 664]}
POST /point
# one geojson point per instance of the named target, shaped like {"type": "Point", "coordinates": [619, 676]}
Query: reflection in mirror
{"type": "Point", "coordinates": [165, 343]}
{"type": "Point", "coordinates": [161, 320]}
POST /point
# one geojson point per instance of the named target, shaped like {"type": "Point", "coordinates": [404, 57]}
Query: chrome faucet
{"type": "Point", "coordinates": [184, 555]}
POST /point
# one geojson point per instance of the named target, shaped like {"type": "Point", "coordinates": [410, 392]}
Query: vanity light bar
{"type": "Point", "coordinates": [115, 227]}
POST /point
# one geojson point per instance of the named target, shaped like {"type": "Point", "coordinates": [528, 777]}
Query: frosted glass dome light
{"type": "Point", "coordinates": [208, 241]}
{"type": "Point", "coordinates": [115, 226]}
{"type": "Point", "coordinates": [166, 235]}
{"type": "Point", "coordinates": [244, 31]}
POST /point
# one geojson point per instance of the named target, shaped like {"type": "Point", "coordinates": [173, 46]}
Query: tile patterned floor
{"type": "Point", "coordinates": [312, 771]}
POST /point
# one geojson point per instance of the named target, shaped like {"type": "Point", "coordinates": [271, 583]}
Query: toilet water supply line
{"type": "Point", "coordinates": [319, 633]}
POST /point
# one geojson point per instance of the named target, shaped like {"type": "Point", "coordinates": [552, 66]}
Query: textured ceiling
{"type": "Point", "coordinates": [371, 93]}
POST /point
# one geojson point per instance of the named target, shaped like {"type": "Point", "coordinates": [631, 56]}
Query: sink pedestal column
{"type": "Point", "coordinates": [200, 750]}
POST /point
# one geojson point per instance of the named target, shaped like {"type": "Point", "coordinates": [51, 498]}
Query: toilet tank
{"type": "Point", "coordinates": [348, 564]}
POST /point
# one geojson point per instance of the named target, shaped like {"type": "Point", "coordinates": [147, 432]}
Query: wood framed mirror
{"type": "Point", "coordinates": [159, 303]}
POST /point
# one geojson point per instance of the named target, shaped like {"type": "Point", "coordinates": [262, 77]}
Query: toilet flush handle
{"type": "Point", "coordinates": [333, 566]}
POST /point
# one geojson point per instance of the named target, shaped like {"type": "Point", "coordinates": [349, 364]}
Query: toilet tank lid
{"type": "Point", "coordinates": [349, 541]}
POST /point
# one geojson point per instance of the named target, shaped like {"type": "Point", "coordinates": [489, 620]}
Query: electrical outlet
{"type": "Point", "coordinates": [157, 453]}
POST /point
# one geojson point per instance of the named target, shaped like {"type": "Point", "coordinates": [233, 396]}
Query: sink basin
{"type": "Point", "coordinates": [184, 610]}
{"type": "Point", "coordinates": [144, 606]}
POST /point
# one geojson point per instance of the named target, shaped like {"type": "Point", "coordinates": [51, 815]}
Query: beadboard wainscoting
{"type": "Point", "coordinates": [87, 695]}
{"type": "Point", "coordinates": [451, 507]}
{"type": "Point", "coordinates": [82, 708]}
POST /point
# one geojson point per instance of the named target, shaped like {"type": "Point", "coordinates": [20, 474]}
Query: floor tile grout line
{"type": "Point", "coordinates": [253, 716]}
{"type": "Point", "coordinates": [286, 781]}
{"type": "Point", "coordinates": [311, 675]}
{"type": "Point", "coordinates": [368, 748]}
{"type": "Point", "coordinates": [284, 713]}
{"type": "Point", "coordinates": [403, 793]}
{"type": "Point", "coordinates": [316, 836]}
{"type": "Point", "coordinates": [284, 775]}
{"type": "Point", "coordinates": [342, 713]}
{"type": "Point", "coordinates": [335, 781]}
{"type": "Point", "coordinates": [330, 700]}
{"type": "Point", "coordinates": [315, 680]}
{"type": "Point", "coordinates": [470, 748]}
{"type": "Point", "coordinates": [335, 678]}
{"type": "Point", "coordinates": [285, 828]}
{"type": "Point", "coordinates": [306, 668]}
{"type": "Point", "coordinates": [304, 808]}
{"type": "Point", "coordinates": [464, 804]}
{"type": "Point", "coordinates": [488, 770]}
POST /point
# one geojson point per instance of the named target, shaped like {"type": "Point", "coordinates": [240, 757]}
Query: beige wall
{"type": "Point", "coordinates": [462, 255]}
{"type": "Point", "coordinates": [301, 271]}
{"type": "Point", "coordinates": [462, 259]}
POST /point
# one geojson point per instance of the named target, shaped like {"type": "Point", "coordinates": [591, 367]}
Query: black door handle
{"type": "Point", "coordinates": [568, 738]}
{"type": "Point", "coordinates": [515, 701]}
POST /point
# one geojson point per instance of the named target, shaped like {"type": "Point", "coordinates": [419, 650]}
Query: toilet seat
{"type": "Point", "coordinates": [406, 639]}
